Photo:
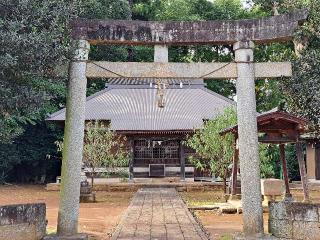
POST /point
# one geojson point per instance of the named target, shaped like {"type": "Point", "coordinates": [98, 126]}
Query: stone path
{"type": "Point", "coordinates": [158, 213]}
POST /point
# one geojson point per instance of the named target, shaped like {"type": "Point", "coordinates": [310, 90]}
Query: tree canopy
{"type": "Point", "coordinates": [302, 91]}
{"type": "Point", "coordinates": [35, 45]}
{"type": "Point", "coordinates": [34, 40]}
{"type": "Point", "coordinates": [102, 148]}
{"type": "Point", "coordinates": [213, 150]}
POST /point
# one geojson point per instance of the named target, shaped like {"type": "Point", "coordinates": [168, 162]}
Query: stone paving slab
{"type": "Point", "coordinates": [158, 213]}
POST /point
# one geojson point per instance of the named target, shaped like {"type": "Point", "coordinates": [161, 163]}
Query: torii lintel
{"type": "Point", "coordinates": [263, 30]}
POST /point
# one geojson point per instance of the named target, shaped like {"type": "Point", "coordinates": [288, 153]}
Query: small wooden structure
{"type": "Point", "coordinates": [277, 127]}
{"type": "Point", "coordinates": [313, 155]}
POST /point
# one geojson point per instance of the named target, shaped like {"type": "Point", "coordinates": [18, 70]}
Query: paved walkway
{"type": "Point", "coordinates": [158, 213]}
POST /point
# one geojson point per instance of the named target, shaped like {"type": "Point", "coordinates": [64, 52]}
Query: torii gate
{"type": "Point", "coordinates": [242, 34]}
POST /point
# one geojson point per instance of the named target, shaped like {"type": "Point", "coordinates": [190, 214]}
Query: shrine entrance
{"type": "Point", "coordinates": [241, 34]}
{"type": "Point", "coordinates": [156, 158]}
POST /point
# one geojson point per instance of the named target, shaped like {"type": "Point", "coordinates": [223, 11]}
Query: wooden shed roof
{"type": "Point", "coordinates": [278, 127]}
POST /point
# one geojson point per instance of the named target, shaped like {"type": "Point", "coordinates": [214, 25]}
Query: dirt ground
{"type": "Point", "coordinates": [224, 226]}
{"type": "Point", "coordinates": [218, 226]}
{"type": "Point", "coordinates": [98, 219]}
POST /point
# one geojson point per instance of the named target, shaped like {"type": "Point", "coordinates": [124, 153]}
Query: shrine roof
{"type": "Point", "coordinates": [281, 121]}
{"type": "Point", "coordinates": [132, 105]}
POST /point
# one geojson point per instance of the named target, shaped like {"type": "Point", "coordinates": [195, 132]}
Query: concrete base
{"type": "Point", "coordinates": [88, 198]}
{"type": "Point", "coordinates": [79, 236]}
{"type": "Point", "coordinates": [227, 209]}
{"type": "Point", "coordinates": [133, 187]}
{"type": "Point", "coordinates": [234, 197]}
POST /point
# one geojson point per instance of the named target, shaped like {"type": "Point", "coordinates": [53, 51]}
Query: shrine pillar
{"type": "Point", "coordinates": [248, 140]}
{"type": "Point", "coordinates": [73, 141]}
{"type": "Point", "coordinates": [182, 162]}
{"type": "Point", "coordinates": [131, 161]}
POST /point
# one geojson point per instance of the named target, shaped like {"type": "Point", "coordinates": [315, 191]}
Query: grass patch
{"type": "Point", "coordinates": [51, 230]}
{"type": "Point", "coordinates": [226, 237]}
{"type": "Point", "coordinates": [202, 198]}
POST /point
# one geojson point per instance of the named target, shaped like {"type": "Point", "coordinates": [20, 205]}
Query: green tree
{"type": "Point", "coordinates": [31, 157]}
{"type": "Point", "coordinates": [213, 150]}
{"type": "Point", "coordinates": [302, 91]}
{"type": "Point", "coordinates": [280, 6]}
{"type": "Point", "coordinates": [103, 148]}
{"type": "Point", "coordinates": [269, 161]}
{"type": "Point", "coordinates": [35, 45]}
{"type": "Point", "coordinates": [34, 40]}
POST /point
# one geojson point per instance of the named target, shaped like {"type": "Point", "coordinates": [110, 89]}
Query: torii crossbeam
{"type": "Point", "coordinates": [183, 70]}
{"type": "Point", "coordinates": [242, 34]}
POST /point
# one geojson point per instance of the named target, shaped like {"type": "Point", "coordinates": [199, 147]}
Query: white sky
{"type": "Point", "coordinates": [244, 2]}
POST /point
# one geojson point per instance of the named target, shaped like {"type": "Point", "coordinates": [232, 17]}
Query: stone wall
{"type": "Point", "coordinates": [23, 221]}
{"type": "Point", "coordinates": [293, 220]}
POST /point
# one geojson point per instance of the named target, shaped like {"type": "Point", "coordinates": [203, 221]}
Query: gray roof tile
{"type": "Point", "coordinates": [135, 109]}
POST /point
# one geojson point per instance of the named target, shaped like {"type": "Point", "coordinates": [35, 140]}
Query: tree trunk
{"type": "Point", "coordinates": [303, 174]}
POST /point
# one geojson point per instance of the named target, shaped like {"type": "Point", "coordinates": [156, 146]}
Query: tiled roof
{"type": "Point", "coordinates": [136, 108]}
{"type": "Point", "coordinates": [147, 81]}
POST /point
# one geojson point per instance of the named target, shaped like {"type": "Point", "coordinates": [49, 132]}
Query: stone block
{"type": "Point", "coordinates": [158, 232]}
{"type": "Point", "coordinates": [303, 230]}
{"type": "Point", "coordinates": [181, 188]}
{"type": "Point", "coordinates": [272, 187]}
{"type": "Point", "coordinates": [305, 212]}
{"type": "Point", "coordinates": [24, 231]}
{"type": "Point", "coordinates": [294, 211]}
{"type": "Point", "coordinates": [227, 210]}
{"type": "Point", "coordinates": [88, 198]}
{"type": "Point", "coordinates": [79, 236]}
{"type": "Point", "coordinates": [281, 228]}
{"type": "Point", "coordinates": [23, 221]}
{"type": "Point", "coordinates": [278, 211]}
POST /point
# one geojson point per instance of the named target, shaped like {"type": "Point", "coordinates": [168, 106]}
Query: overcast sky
{"type": "Point", "coordinates": [244, 2]}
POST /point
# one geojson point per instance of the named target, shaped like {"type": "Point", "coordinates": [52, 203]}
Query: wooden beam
{"type": "Point", "coordinates": [275, 137]}
{"type": "Point", "coordinates": [234, 172]}
{"type": "Point", "coordinates": [303, 174]}
{"type": "Point", "coordinates": [182, 162]}
{"type": "Point", "coordinates": [285, 171]}
{"type": "Point", "coordinates": [182, 70]}
{"type": "Point", "coordinates": [131, 160]}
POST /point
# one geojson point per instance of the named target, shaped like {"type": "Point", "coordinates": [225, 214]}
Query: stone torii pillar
{"type": "Point", "coordinates": [161, 53]}
{"type": "Point", "coordinates": [248, 140]}
{"type": "Point", "coordinates": [73, 142]}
